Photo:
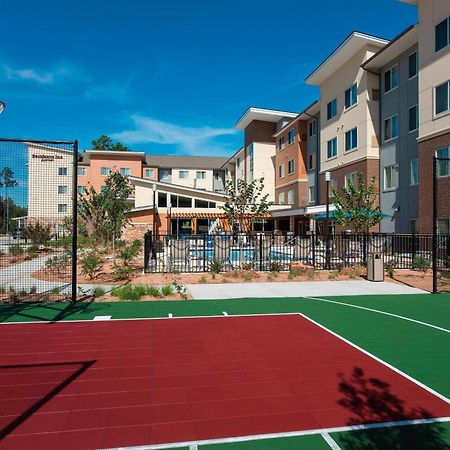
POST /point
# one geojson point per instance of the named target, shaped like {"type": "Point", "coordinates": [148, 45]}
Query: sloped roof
{"type": "Point", "coordinates": [185, 162]}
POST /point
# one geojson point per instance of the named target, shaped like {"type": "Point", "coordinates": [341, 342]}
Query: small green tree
{"type": "Point", "coordinates": [7, 181]}
{"type": "Point", "coordinates": [106, 143]}
{"type": "Point", "coordinates": [245, 203]}
{"type": "Point", "coordinates": [358, 206]}
{"type": "Point", "coordinates": [37, 233]}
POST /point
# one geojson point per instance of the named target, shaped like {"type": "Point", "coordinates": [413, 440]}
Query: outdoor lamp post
{"type": "Point", "coordinates": [154, 209]}
{"type": "Point", "coordinates": [327, 221]}
{"type": "Point", "coordinates": [169, 219]}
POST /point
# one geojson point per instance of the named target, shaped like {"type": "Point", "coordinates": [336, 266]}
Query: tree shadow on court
{"type": "Point", "coordinates": [370, 400]}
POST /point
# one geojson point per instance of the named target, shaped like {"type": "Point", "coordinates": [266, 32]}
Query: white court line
{"type": "Point", "coordinates": [380, 312]}
{"type": "Point", "coordinates": [224, 313]}
{"type": "Point", "coordinates": [330, 441]}
{"type": "Point", "coordinates": [193, 447]}
{"type": "Point", "coordinates": [102, 318]}
{"type": "Point", "coordinates": [258, 437]}
{"type": "Point", "coordinates": [170, 316]}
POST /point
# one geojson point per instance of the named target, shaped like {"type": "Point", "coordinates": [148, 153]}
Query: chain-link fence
{"type": "Point", "coordinates": [37, 201]}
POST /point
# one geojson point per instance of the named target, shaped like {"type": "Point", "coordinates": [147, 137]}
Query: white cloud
{"type": "Point", "coordinates": [148, 130]}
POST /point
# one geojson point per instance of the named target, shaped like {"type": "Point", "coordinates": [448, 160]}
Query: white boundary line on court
{"type": "Point", "coordinates": [330, 441]}
{"type": "Point", "coordinates": [351, 305]}
{"type": "Point", "coordinates": [258, 437]}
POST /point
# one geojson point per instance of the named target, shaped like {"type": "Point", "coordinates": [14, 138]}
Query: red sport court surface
{"type": "Point", "coordinates": [125, 383]}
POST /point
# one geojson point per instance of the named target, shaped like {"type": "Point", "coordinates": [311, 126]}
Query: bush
{"type": "Point", "coordinates": [312, 274]}
{"type": "Point", "coordinates": [354, 273]}
{"type": "Point", "coordinates": [12, 295]}
{"type": "Point", "coordinates": [91, 264]}
{"type": "Point", "coordinates": [33, 290]}
{"type": "Point", "coordinates": [16, 250]}
{"type": "Point", "coordinates": [167, 290]}
{"type": "Point", "coordinates": [154, 291]}
{"type": "Point", "coordinates": [215, 267]}
{"type": "Point", "coordinates": [121, 273]}
{"type": "Point", "coordinates": [2, 290]}
{"type": "Point", "coordinates": [202, 279]}
{"type": "Point", "coordinates": [37, 233]}
{"type": "Point", "coordinates": [59, 262]}
{"type": "Point", "coordinates": [98, 291]}
{"type": "Point", "coordinates": [390, 268]}
{"type": "Point", "coordinates": [422, 264]}
{"type": "Point", "coordinates": [276, 266]}
{"type": "Point", "coordinates": [294, 273]}
{"type": "Point", "coordinates": [180, 289]}
{"type": "Point", "coordinates": [129, 252]}
{"type": "Point", "coordinates": [129, 292]}
{"type": "Point", "coordinates": [333, 275]}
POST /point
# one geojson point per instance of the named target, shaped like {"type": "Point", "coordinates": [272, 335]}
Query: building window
{"type": "Point", "coordinates": [62, 189]}
{"type": "Point", "coordinates": [443, 167]}
{"type": "Point", "coordinates": [391, 128]}
{"type": "Point", "coordinates": [281, 199]}
{"type": "Point", "coordinates": [351, 139]}
{"type": "Point", "coordinates": [238, 163]}
{"type": "Point", "coordinates": [331, 109]}
{"type": "Point", "coordinates": [162, 200]}
{"type": "Point", "coordinates": [443, 226]}
{"type": "Point", "coordinates": [62, 208]}
{"type": "Point", "coordinates": [149, 173]}
{"type": "Point", "coordinates": [414, 172]}
{"type": "Point", "coordinates": [311, 162]}
{"type": "Point", "coordinates": [281, 170]}
{"type": "Point", "coordinates": [105, 171]}
{"type": "Point", "coordinates": [413, 65]}
{"type": "Point", "coordinates": [311, 195]}
{"type": "Point", "coordinates": [351, 96]}
{"type": "Point", "coordinates": [204, 203]}
{"type": "Point", "coordinates": [291, 197]}
{"type": "Point", "coordinates": [82, 171]}
{"type": "Point", "coordinates": [443, 34]}
{"type": "Point", "coordinates": [332, 187]}
{"type": "Point", "coordinates": [413, 118]}
{"type": "Point", "coordinates": [351, 178]}
{"type": "Point", "coordinates": [312, 128]}
{"type": "Point", "coordinates": [183, 174]}
{"type": "Point", "coordinates": [281, 143]}
{"type": "Point", "coordinates": [165, 175]}
{"type": "Point", "coordinates": [413, 226]}
{"type": "Point", "coordinates": [332, 148]}
{"type": "Point", "coordinates": [81, 190]}
{"type": "Point", "coordinates": [442, 98]}
{"type": "Point", "coordinates": [291, 167]}
{"type": "Point", "coordinates": [200, 175]}
{"type": "Point", "coordinates": [391, 177]}
{"type": "Point", "coordinates": [62, 171]}
{"type": "Point", "coordinates": [291, 136]}
{"type": "Point", "coordinates": [391, 79]}
{"type": "Point", "coordinates": [125, 171]}
{"type": "Point", "coordinates": [103, 188]}
{"type": "Point", "coordinates": [251, 158]}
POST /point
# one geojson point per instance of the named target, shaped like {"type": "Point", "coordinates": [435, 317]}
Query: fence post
{"type": "Point", "coordinates": [365, 248]}
{"type": "Point", "coordinates": [74, 221]}
{"type": "Point", "coordinates": [147, 245]}
{"type": "Point", "coordinates": [260, 253]}
{"type": "Point", "coordinates": [314, 249]}
{"type": "Point", "coordinates": [204, 252]}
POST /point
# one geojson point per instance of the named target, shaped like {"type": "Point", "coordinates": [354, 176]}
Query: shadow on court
{"type": "Point", "coordinates": [370, 400]}
{"type": "Point", "coordinates": [28, 391]}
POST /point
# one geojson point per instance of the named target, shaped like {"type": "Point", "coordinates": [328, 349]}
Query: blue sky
{"type": "Point", "coordinates": [168, 77]}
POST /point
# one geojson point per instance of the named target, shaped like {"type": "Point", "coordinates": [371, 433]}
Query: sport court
{"type": "Point", "coordinates": [247, 373]}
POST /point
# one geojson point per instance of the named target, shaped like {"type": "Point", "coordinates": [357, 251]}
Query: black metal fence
{"type": "Point", "coordinates": [270, 252]}
{"type": "Point", "coordinates": [38, 185]}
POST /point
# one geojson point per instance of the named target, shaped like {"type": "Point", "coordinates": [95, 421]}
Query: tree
{"type": "Point", "coordinates": [106, 212]}
{"type": "Point", "coordinates": [106, 143]}
{"type": "Point", "coordinates": [7, 181]}
{"type": "Point", "coordinates": [246, 203]}
{"type": "Point", "coordinates": [358, 206]}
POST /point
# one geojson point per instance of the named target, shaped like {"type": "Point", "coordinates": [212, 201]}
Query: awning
{"type": "Point", "coordinates": [332, 214]}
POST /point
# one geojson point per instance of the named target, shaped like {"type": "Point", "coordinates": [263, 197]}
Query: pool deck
{"type": "Point", "coordinates": [297, 289]}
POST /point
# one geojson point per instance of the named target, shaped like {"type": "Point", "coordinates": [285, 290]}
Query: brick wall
{"type": "Point", "coordinates": [427, 150]}
{"type": "Point", "coordinates": [259, 131]}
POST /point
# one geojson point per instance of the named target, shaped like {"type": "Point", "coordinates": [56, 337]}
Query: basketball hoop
{"type": "Point", "coordinates": [2, 106]}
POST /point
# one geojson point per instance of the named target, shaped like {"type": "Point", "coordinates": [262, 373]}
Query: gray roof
{"type": "Point", "coordinates": [185, 162]}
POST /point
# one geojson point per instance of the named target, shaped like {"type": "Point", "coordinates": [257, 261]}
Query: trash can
{"type": "Point", "coordinates": [375, 267]}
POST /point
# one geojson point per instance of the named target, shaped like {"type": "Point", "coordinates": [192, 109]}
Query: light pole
{"type": "Point", "coordinates": [154, 210]}
{"type": "Point", "coordinates": [327, 221]}
{"type": "Point", "coordinates": [169, 219]}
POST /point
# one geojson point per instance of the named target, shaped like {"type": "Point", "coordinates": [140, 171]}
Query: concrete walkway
{"type": "Point", "coordinates": [297, 289]}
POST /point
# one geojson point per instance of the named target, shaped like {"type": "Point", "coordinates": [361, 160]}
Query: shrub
{"type": "Point", "coordinates": [248, 276]}
{"type": "Point", "coordinates": [154, 291]}
{"type": "Point", "coordinates": [59, 262]}
{"type": "Point", "coordinates": [37, 233]}
{"type": "Point", "coordinates": [215, 267]}
{"type": "Point", "coordinates": [294, 273]}
{"type": "Point", "coordinates": [390, 268]}
{"type": "Point", "coordinates": [98, 291]}
{"type": "Point", "coordinates": [55, 291]}
{"type": "Point", "coordinates": [167, 290]}
{"type": "Point", "coordinates": [12, 295]}
{"type": "Point", "coordinates": [91, 264]}
{"type": "Point", "coordinates": [333, 275]}
{"type": "Point", "coordinates": [33, 290]}
{"type": "Point", "coordinates": [202, 279]}
{"type": "Point", "coordinates": [246, 266]}
{"type": "Point", "coordinates": [235, 273]}
{"type": "Point", "coordinates": [180, 289]}
{"type": "Point", "coordinates": [422, 264]}
{"type": "Point", "coordinates": [129, 292]}
{"type": "Point", "coordinates": [16, 250]}
{"type": "Point", "coordinates": [129, 252]}
{"type": "Point", "coordinates": [22, 293]}
{"type": "Point", "coordinates": [276, 266]}
{"type": "Point", "coordinates": [121, 273]}
{"type": "Point", "coordinates": [312, 274]}
{"type": "Point", "coordinates": [354, 273]}
{"type": "Point", "coordinates": [2, 290]}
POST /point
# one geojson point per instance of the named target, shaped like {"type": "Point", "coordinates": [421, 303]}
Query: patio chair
{"type": "Point", "coordinates": [261, 254]}
{"type": "Point", "coordinates": [179, 255]}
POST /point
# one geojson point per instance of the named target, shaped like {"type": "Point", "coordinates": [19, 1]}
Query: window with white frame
{"type": "Point", "coordinates": [281, 198]}
{"type": "Point", "coordinates": [332, 186]}
{"type": "Point", "coordinates": [291, 197]}
{"type": "Point", "coordinates": [351, 96]}
{"type": "Point", "coordinates": [442, 98]}
{"type": "Point", "coordinates": [62, 189]}
{"type": "Point", "coordinates": [291, 136]}
{"type": "Point", "coordinates": [414, 172]}
{"type": "Point", "coordinates": [200, 175]}
{"type": "Point", "coordinates": [251, 158]}
{"type": "Point", "coordinates": [149, 173]}
{"type": "Point", "coordinates": [62, 171]}
{"type": "Point", "coordinates": [82, 190]}
{"type": "Point", "coordinates": [443, 166]}
{"type": "Point", "coordinates": [125, 171]}
{"type": "Point", "coordinates": [82, 171]}
{"type": "Point", "coordinates": [103, 188]}
{"type": "Point", "coordinates": [391, 177]}
{"type": "Point", "coordinates": [351, 139]}
{"type": "Point", "coordinates": [62, 208]}
{"type": "Point", "coordinates": [331, 109]}
{"type": "Point", "coordinates": [391, 128]}
{"type": "Point", "coordinates": [105, 171]}
{"type": "Point", "coordinates": [281, 170]}
{"type": "Point", "coordinates": [238, 163]}
{"type": "Point", "coordinates": [351, 178]}
{"type": "Point", "coordinates": [183, 174]}
{"type": "Point", "coordinates": [312, 128]}
{"type": "Point", "coordinates": [332, 148]}
{"type": "Point", "coordinates": [413, 63]}
{"type": "Point", "coordinates": [291, 166]}
{"type": "Point", "coordinates": [281, 143]}
{"type": "Point", "coordinates": [442, 34]}
{"type": "Point", "coordinates": [413, 118]}
{"type": "Point", "coordinates": [391, 79]}
{"type": "Point", "coordinates": [311, 195]}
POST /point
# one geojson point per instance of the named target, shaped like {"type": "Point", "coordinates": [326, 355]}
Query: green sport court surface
{"type": "Point", "coordinates": [408, 332]}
